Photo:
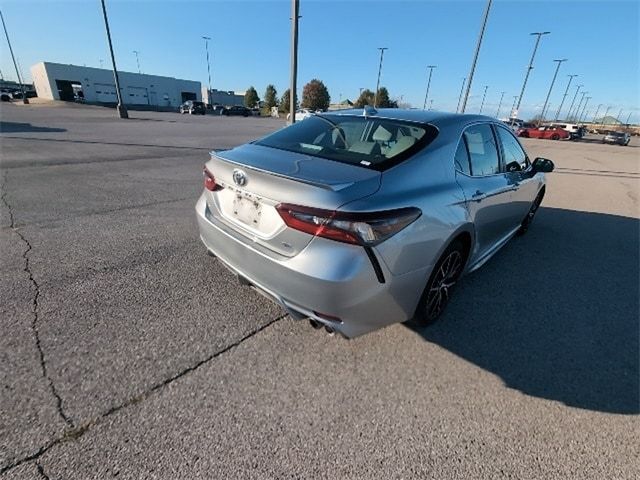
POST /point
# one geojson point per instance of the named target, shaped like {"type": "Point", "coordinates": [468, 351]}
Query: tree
{"type": "Point", "coordinates": [383, 99]}
{"type": "Point", "coordinates": [285, 102]}
{"type": "Point", "coordinates": [270, 96]}
{"type": "Point", "coordinates": [365, 98]}
{"type": "Point", "coordinates": [251, 98]}
{"type": "Point", "coordinates": [315, 96]}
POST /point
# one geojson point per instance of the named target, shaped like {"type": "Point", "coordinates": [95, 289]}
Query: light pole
{"type": "Point", "coordinates": [295, 16]}
{"type": "Point", "coordinates": [513, 108]}
{"type": "Point", "coordinates": [460, 97]}
{"type": "Point", "coordinates": [577, 110]}
{"type": "Point", "coordinates": [375, 98]}
{"type": "Point", "coordinates": [206, 47]}
{"type": "Point", "coordinates": [583, 109]}
{"type": "Point", "coordinates": [619, 115]}
{"type": "Point", "coordinates": [564, 96]}
{"type": "Point", "coordinates": [500, 104]}
{"type": "Point", "coordinates": [484, 95]}
{"type": "Point", "coordinates": [573, 101]}
{"type": "Point", "coordinates": [25, 100]}
{"type": "Point", "coordinates": [596, 114]}
{"type": "Point", "coordinates": [530, 67]}
{"type": "Point", "coordinates": [605, 115]}
{"type": "Point", "coordinates": [431, 104]}
{"type": "Point", "coordinates": [430, 67]}
{"type": "Point", "coordinates": [628, 118]}
{"type": "Point", "coordinates": [544, 108]}
{"type": "Point", "coordinates": [475, 56]}
{"type": "Point", "coordinates": [122, 110]}
{"type": "Point", "coordinates": [136, 52]}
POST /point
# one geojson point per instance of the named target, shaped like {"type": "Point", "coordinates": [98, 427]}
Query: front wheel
{"type": "Point", "coordinates": [438, 291]}
{"type": "Point", "coordinates": [555, 136]}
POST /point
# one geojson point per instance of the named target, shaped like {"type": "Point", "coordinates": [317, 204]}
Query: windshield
{"type": "Point", "coordinates": [376, 143]}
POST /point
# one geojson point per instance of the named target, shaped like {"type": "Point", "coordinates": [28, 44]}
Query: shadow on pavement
{"type": "Point", "coordinates": [16, 127]}
{"type": "Point", "coordinates": [555, 314]}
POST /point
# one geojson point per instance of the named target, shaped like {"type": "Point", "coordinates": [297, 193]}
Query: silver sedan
{"type": "Point", "coordinates": [359, 219]}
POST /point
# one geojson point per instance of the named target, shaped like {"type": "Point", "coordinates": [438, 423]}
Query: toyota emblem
{"type": "Point", "coordinates": [239, 177]}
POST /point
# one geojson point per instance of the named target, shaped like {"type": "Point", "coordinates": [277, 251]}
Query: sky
{"type": "Point", "coordinates": [338, 43]}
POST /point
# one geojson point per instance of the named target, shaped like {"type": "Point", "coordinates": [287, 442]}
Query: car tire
{"type": "Point", "coordinates": [555, 136]}
{"type": "Point", "coordinates": [526, 223]}
{"type": "Point", "coordinates": [437, 293]}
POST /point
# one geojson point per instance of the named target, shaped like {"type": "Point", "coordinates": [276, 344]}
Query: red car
{"type": "Point", "coordinates": [553, 133]}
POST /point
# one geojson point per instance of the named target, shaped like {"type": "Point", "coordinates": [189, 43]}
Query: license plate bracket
{"type": "Point", "coordinates": [247, 210]}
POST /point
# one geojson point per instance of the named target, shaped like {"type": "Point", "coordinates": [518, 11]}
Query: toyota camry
{"type": "Point", "coordinates": [363, 218]}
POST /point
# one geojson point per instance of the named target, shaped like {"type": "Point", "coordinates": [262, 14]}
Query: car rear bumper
{"type": "Point", "coordinates": [326, 279]}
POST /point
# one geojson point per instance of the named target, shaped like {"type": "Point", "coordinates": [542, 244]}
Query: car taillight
{"type": "Point", "coordinates": [210, 181]}
{"type": "Point", "coordinates": [366, 229]}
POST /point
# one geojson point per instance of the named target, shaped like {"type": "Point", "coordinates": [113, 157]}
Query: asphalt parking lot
{"type": "Point", "coordinates": [126, 351]}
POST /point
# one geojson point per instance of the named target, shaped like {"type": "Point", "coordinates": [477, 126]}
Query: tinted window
{"type": "Point", "coordinates": [514, 157]}
{"type": "Point", "coordinates": [376, 143]}
{"type": "Point", "coordinates": [462, 158]}
{"type": "Point", "coordinates": [482, 150]}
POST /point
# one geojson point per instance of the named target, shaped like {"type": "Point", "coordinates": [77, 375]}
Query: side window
{"type": "Point", "coordinates": [483, 150]}
{"type": "Point", "coordinates": [462, 158]}
{"type": "Point", "coordinates": [514, 157]}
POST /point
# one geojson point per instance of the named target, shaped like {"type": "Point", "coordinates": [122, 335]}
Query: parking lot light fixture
{"type": "Point", "coordinates": [25, 100]}
{"type": "Point", "coordinates": [596, 114]}
{"type": "Point", "coordinates": [530, 67]}
{"type": "Point", "coordinates": [573, 101]}
{"type": "Point", "coordinates": [500, 104]}
{"type": "Point", "coordinates": [564, 96]}
{"type": "Point", "coordinates": [584, 108]}
{"type": "Point", "coordinates": [122, 110]}
{"type": "Point", "coordinates": [475, 56]}
{"type": "Point", "coordinates": [430, 67]}
{"type": "Point", "coordinates": [577, 110]}
{"type": "Point", "coordinates": [553, 81]}
{"type": "Point", "coordinates": [461, 91]}
{"type": "Point", "coordinates": [604, 117]}
{"type": "Point", "coordinates": [375, 98]}
{"type": "Point", "coordinates": [295, 16]}
{"type": "Point", "coordinates": [206, 47]}
{"type": "Point", "coordinates": [484, 95]}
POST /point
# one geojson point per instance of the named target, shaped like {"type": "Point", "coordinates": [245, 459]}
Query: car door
{"type": "Point", "coordinates": [516, 166]}
{"type": "Point", "coordinates": [487, 188]}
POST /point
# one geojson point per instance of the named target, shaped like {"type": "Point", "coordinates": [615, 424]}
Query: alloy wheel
{"type": "Point", "coordinates": [444, 280]}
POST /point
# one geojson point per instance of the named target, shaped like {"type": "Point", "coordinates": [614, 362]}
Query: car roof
{"type": "Point", "coordinates": [432, 117]}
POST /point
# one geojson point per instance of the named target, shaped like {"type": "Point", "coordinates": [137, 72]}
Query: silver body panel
{"type": "Point", "coordinates": [309, 275]}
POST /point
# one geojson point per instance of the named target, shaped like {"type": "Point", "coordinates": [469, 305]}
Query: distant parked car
{"type": "Point", "coordinates": [216, 109]}
{"type": "Point", "coordinates": [192, 107]}
{"type": "Point", "coordinates": [617, 138]}
{"type": "Point", "coordinates": [552, 133]}
{"type": "Point", "coordinates": [236, 110]}
{"type": "Point", "coordinates": [301, 114]}
{"type": "Point", "coordinates": [575, 131]}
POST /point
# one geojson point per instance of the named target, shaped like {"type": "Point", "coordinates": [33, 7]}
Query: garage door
{"type": "Point", "coordinates": [136, 96]}
{"type": "Point", "coordinates": [105, 93]}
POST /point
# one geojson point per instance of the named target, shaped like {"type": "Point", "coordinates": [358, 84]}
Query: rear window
{"type": "Point", "coordinates": [370, 142]}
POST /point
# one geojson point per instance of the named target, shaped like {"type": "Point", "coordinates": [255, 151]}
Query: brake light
{"type": "Point", "coordinates": [370, 228]}
{"type": "Point", "coordinates": [210, 181]}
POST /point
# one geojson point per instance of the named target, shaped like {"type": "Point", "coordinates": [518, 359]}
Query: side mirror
{"type": "Point", "coordinates": [543, 165]}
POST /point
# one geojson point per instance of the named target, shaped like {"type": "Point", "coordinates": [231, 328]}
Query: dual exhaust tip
{"type": "Point", "coordinates": [318, 325]}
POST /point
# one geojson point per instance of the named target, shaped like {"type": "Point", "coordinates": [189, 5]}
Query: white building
{"type": "Point", "coordinates": [55, 81]}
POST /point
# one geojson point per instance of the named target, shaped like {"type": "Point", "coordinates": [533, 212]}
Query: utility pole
{"type": "Point", "coordinates": [564, 96]}
{"type": "Point", "coordinates": [295, 10]}
{"type": "Point", "coordinates": [25, 100]}
{"type": "Point", "coordinates": [375, 98]}
{"type": "Point", "coordinates": [460, 97]}
{"type": "Point", "coordinates": [484, 95]}
{"type": "Point", "coordinates": [122, 110]}
{"type": "Point", "coordinates": [530, 67]}
{"type": "Point", "coordinates": [136, 52]}
{"type": "Point", "coordinates": [430, 67]}
{"type": "Point", "coordinates": [544, 108]}
{"type": "Point", "coordinates": [500, 104]}
{"type": "Point", "coordinates": [475, 56]}
{"type": "Point", "coordinates": [206, 47]}
{"type": "Point", "coordinates": [605, 115]}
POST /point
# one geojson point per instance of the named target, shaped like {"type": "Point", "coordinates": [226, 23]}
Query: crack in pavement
{"type": "Point", "coordinates": [77, 432]}
{"type": "Point", "coordinates": [34, 303]}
